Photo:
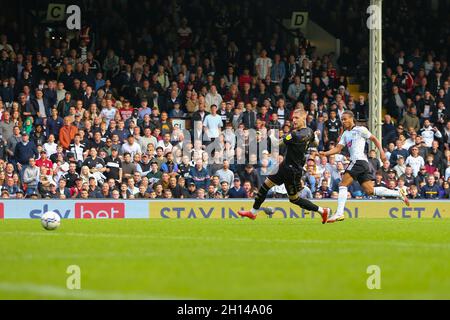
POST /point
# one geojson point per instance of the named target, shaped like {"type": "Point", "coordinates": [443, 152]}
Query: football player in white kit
{"type": "Point", "coordinates": [354, 138]}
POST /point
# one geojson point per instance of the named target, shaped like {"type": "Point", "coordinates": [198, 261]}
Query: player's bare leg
{"type": "Point", "coordinates": [347, 180]}
{"type": "Point", "coordinates": [259, 200]}
{"type": "Point", "coordinates": [369, 189]}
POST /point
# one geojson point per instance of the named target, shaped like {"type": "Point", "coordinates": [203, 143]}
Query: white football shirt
{"type": "Point", "coordinates": [355, 141]}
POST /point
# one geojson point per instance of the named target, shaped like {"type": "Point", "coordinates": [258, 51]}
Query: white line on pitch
{"type": "Point", "coordinates": [47, 291]}
{"type": "Point", "coordinates": [253, 240]}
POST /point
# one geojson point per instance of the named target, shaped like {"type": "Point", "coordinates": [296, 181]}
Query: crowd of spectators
{"type": "Point", "coordinates": [134, 117]}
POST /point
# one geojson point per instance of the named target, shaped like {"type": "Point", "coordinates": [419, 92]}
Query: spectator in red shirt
{"type": "Point", "coordinates": [245, 78]}
{"type": "Point", "coordinates": [429, 167]}
{"type": "Point", "coordinates": [43, 161]}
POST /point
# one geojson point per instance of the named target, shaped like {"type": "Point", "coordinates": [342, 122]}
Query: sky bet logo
{"type": "Point", "coordinates": [37, 213]}
{"type": "Point", "coordinates": [2, 211]}
{"type": "Point", "coordinates": [99, 210]}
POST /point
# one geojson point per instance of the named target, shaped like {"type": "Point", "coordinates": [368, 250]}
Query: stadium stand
{"type": "Point", "coordinates": [154, 108]}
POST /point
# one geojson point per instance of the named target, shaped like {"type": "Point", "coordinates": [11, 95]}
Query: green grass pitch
{"type": "Point", "coordinates": [226, 259]}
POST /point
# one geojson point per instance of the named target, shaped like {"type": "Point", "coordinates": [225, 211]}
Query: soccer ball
{"type": "Point", "coordinates": [50, 220]}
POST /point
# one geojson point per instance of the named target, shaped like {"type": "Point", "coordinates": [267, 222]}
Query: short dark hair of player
{"type": "Point", "coordinates": [349, 113]}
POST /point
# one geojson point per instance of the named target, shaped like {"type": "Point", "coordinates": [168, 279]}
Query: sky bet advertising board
{"type": "Point", "coordinates": [211, 209]}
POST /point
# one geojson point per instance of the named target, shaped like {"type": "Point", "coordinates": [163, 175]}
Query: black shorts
{"type": "Point", "coordinates": [290, 177]}
{"type": "Point", "coordinates": [360, 171]}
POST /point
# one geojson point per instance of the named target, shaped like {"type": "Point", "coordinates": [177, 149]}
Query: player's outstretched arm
{"type": "Point", "coordinates": [335, 150]}
{"type": "Point", "coordinates": [377, 143]}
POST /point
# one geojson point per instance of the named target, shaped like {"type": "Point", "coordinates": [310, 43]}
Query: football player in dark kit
{"type": "Point", "coordinates": [290, 170]}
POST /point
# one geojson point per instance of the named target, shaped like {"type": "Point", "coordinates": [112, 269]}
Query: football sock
{"type": "Point", "coordinates": [260, 197]}
{"type": "Point", "coordinates": [342, 198]}
{"type": "Point", "coordinates": [385, 192]}
{"type": "Point", "coordinates": [305, 204]}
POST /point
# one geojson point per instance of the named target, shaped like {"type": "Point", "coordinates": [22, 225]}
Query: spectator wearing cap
{"type": "Point", "coordinates": [20, 194]}
{"type": "Point", "coordinates": [67, 133]}
{"type": "Point", "coordinates": [391, 175]}
{"type": "Point", "coordinates": [237, 191]}
{"type": "Point", "coordinates": [191, 190]}
{"type": "Point", "coordinates": [52, 192]}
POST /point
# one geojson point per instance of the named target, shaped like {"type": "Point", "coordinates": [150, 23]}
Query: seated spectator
{"type": "Point", "coordinates": [237, 191]}
{"type": "Point", "coordinates": [431, 190]}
